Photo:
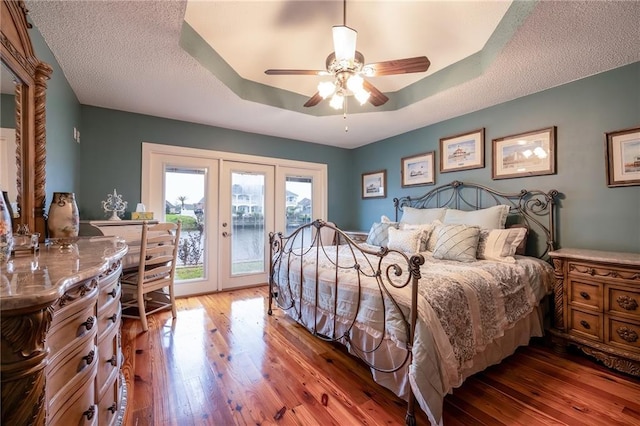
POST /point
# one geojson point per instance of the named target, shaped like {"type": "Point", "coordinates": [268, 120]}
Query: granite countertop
{"type": "Point", "coordinates": [29, 280]}
{"type": "Point", "coordinates": [621, 258]}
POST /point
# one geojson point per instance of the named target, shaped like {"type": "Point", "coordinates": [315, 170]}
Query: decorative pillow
{"type": "Point", "coordinates": [385, 219]}
{"type": "Point", "coordinates": [457, 242]}
{"type": "Point", "coordinates": [433, 236]}
{"type": "Point", "coordinates": [379, 234]}
{"type": "Point", "coordinates": [489, 218]}
{"type": "Point", "coordinates": [413, 216]}
{"type": "Point", "coordinates": [426, 232]}
{"type": "Point", "coordinates": [522, 247]}
{"type": "Point", "coordinates": [500, 244]}
{"type": "Point", "coordinates": [405, 240]}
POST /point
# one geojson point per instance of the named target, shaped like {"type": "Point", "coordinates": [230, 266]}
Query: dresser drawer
{"type": "Point", "coordinates": [65, 333]}
{"type": "Point", "coordinates": [63, 371]}
{"type": "Point", "coordinates": [588, 324]}
{"type": "Point", "coordinates": [603, 271]}
{"type": "Point", "coordinates": [109, 403]}
{"type": "Point", "coordinates": [109, 359]}
{"type": "Point", "coordinates": [109, 291]}
{"type": "Point", "coordinates": [78, 409]}
{"type": "Point", "coordinates": [74, 300]}
{"type": "Point", "coordinates": [585, 294]}
{"type": "Point", "coordinates": [624, 334]}
{"type": "Point", "coordinates": [109, 319]}
{"type": "Point", "coordinates": [625, 302]}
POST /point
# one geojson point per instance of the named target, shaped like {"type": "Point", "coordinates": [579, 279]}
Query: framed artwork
{"type": "Point", "coordinates": [623, 157]}
{"type": "Point", "coordinates": [374, 184]}
{"type": "Point", "coordinates": [527, 154]}
{"type": "Point", "coordinates": [462, 152]}
{"type": "Point", "coordinates": [418, 169]}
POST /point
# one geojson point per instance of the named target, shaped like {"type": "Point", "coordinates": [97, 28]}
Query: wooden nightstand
{"type": "Point", "coordinates": [597, 305]}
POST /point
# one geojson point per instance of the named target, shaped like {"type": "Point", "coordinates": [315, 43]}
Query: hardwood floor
{"type": "Point", "coordinates": [224, 361]}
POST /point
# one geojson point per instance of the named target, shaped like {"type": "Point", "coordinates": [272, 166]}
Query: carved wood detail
{"type": "Point", "coordinates": [23, 361]}
{"type": "Point", "coordinates": [612, 361]}
{"type": "Point", "coordinates": [43, 73]}
{"type": "Point", "coordinates": [603, 272]}
{"type": "Point", "coordinates": [558, 273]}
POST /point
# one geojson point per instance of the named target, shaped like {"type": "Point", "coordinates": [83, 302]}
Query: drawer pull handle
{"type": "Point", "coordinates": [113, 318]}
{"type": "Point", "coordinates": [89, 357]}
{"type": "Point", "coordinates": [88, 324]}
{"type": "Point", "coordinates": [113, 293]}
{"type": "Point", "coordinates": [585, 324]}
{"type": "Point", "coordinates": [90, 412]}
{"type": "Point", "coordinates": [113, 408]}
{"type": "Point", "coordinates": [627, 303]}
{"type": "Point", "coordinates": [627, 334]}
{"type": "Point", "coordinates": [585, 295]}
{"type": "Point", "coordinates": [113, 361]}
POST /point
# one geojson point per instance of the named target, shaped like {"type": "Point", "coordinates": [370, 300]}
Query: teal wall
{"type": "Point", "coordinates": [7, 111]}
{"type": "Point", "coordinates": [63, 114]}
{"type": "Point", "coordinates": [591, 215]}
{"type": "Point", "coordinates": [112, 155]}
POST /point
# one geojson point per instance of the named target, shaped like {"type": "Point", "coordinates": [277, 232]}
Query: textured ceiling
{"type": "Point", "coordinates": [131, 56]}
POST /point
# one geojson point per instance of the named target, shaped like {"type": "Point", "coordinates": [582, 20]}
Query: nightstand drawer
{"type": "Point", "coordinates": [585, 323]}
{"type": "Point", "coordinates": [602, 271]}
{"type": "Point", "coordinates": [624, 302]}
{"type": "Point", "coordinates": [585, 294]}
{"type": "Point", "coordinates": [623, 334]}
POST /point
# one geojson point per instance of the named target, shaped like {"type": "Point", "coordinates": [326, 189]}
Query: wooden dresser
{"type": "Point", "coordinates": [597, 305]}
{"type": "Point", "coordinates": [60, 322]}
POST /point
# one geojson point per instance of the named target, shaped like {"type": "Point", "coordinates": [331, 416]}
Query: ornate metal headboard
{"type": "Point", "coordinates": [534, 209]}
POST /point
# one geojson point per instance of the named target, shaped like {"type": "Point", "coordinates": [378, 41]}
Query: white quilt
{"type": "Point", "coordinates": [463, 308]}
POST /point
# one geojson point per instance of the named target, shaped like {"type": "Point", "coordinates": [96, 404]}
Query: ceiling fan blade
{"type": "Point", "coordinates": [344, 42]}
{"type": "Point", "coordinates": [376, 97]}
{"type": "Point", "coordinates": [295, 72]}
{"type": "Point", "coordinates": [314, 100]}
{"type": "Point", "coordinates": [399, 66]}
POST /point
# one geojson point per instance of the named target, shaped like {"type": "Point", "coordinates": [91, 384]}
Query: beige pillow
{"type": "Point", "coordinates": [490, 218]}
{"type": "Point", "coordinates": [457, 242]}
{"type": "Point", "coordinates": [413, 216]}
{"type": "Point", "coordinates": [500, 244]}
{"type": "Point", "coordinates": [404, 240]}
{"type": "Point", "coordinates": [433, 236]}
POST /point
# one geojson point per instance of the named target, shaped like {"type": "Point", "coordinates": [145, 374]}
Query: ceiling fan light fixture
{"type": "Point", "coordinates": [362, 96]}
{"type": "Point", "coordinates": [326, 89]}
{"type": "Point", "coordinates": [337, 101]}
{"type": "Point", "coordinates": [354, 83]}
{"type": "Point", "coordinates": [344, 43]}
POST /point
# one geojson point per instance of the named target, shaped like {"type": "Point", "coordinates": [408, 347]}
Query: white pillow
{"type": "Point", "coordinates": [379, 234]}
{"type": "Point", "coordinates": [500, 244]}
{"type": "Point", "coordinates": [426, 232]}
{"type": "Point", "coordinates": [405, 240]}
{"type": "Point", "coordinates": [433, 236]}
{"type": "Point", "coordinates": [457, 242]}
{"type": "Point", "coordinates": [413, 216]}
{"type": "Point", "coordinates": [489, 218]}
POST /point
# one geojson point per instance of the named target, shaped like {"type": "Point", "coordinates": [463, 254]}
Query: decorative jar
{"type": "Point", "coordinates": [63, 220]}
{"type": "Point", "coordinates": [6, 233]}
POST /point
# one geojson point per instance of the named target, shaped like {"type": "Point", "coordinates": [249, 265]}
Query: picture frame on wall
{"type": "Point", "coordinates": [622, 149]}
{"type": "Point", "coordinates": [462, 152]}
{"type": "Point", "coordinates": [418, 169]}
{"type": "Point", "coordinates": [525, 154]}
{"type": "Point", "coordinates": [374, 184]}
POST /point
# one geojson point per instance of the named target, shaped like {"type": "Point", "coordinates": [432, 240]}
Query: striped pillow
{"type": "Point", "coordinates": [500, 244]}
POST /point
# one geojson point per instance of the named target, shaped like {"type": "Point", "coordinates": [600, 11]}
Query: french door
{"type": "Point", "coordinates": [246, 218]}
{"type": "Point", "coordinates": [228, 204]}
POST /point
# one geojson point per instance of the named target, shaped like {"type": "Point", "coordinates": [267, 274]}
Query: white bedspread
{"type": "Point", "coordinates": [463, 309]}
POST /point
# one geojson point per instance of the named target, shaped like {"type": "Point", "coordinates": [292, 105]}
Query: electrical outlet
{"type": "Point", "coordinates": [78, 136]}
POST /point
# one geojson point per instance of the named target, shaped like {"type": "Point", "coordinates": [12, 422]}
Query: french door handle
{"type": "Point", "coordinates": [226, 234]}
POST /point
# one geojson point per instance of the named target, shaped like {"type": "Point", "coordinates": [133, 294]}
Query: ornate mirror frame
{"type": "Point", "coordinates": [16, 53]}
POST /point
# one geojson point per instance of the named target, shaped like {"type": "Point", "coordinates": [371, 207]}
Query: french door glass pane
{"type": "Point", "coordinates": [299, 207]}
{"type": "Point", "coordinates": [185, 200]}
{"type": "Point", "coordinates": [247, 223]}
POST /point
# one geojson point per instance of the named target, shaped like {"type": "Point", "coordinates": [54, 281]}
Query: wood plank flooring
{"type": "Point", "coordinates": [224, 361]}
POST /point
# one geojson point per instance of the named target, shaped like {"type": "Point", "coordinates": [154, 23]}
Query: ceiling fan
{"type": "Point", "coordinates": [348, 68]}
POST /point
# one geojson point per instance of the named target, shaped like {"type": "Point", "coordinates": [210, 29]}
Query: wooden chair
{"type": "Point", "coordinates": [144, 287]}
